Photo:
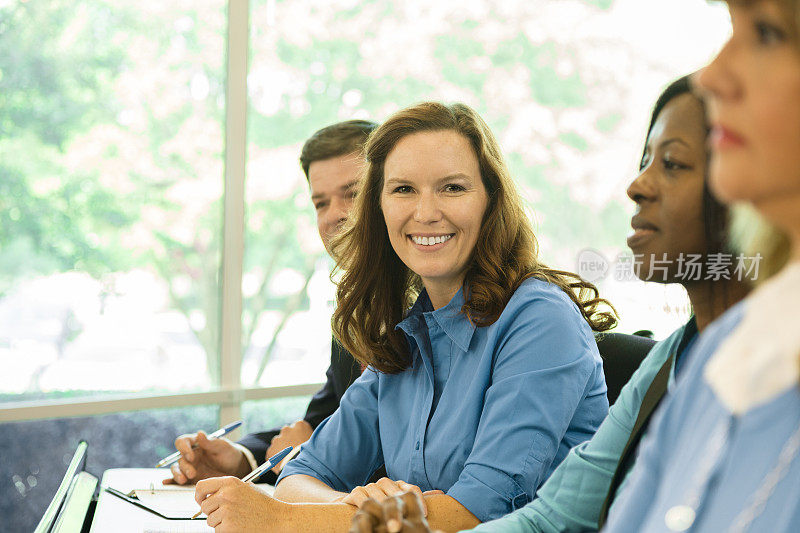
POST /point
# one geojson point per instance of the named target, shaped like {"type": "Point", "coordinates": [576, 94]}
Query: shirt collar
{"type": "Point", "coordinates": [689, 331]}
{"type": "Point", "coordinates": [453, 322]}
{"type": "Point", "coordinates": [758, 359]}
{"type": "Point", "coordinates": [687, 339]}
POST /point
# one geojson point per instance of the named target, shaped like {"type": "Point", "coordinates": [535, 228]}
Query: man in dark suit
{"type": "Point", "coordinates": [332, 160]}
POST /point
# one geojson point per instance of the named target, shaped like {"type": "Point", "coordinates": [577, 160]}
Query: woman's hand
{"type": "Point", "coordinates": [402, 513]}
{"type": "Point", "coordinates": [232, 505]}
{"type": "Point", "coordinates": [382, 489]}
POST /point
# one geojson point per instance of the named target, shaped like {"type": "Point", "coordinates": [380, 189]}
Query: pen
{"type": "Point", "coordinates": [271, 462]}
{"type": "Point", "coordinates": [168, 460]}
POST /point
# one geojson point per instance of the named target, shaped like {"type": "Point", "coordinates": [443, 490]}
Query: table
{"type": "Point", "coordinates": [115, 515]}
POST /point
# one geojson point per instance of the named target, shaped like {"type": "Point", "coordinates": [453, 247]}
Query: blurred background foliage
{"type": "Point", "coordinates": [112, 130]}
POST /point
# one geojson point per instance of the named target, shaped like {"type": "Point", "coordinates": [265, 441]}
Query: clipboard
{"type": "Point", "coordinates": [161, 513]}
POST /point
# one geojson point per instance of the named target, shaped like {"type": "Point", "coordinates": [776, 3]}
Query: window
{"type": "Point", "coordinates": [113, 160]}
{"type": "Point", "coordinates": [111, 181]}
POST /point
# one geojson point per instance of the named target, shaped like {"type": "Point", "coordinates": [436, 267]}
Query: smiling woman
{"type": "Point", "coordinates": [479, 389]}
{"type": "Point", "coordinates": [433, 202]}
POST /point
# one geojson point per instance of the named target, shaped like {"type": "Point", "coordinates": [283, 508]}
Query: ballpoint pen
{"type": "Point", "coordinates": [271, 462]}
{"type": "Point", "coordinates": [168, 460]}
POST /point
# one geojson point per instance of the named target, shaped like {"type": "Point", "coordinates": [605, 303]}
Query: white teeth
{"type": "Point", "coordinates": [430, 241]}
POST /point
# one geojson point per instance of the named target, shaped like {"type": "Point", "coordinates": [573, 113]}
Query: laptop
{"type": "Point", "coordinates": [71, 508]}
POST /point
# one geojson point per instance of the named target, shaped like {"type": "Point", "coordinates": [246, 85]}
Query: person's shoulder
{"type": "Point", "coordinates": [535, 288]}
{"type": "Point", "coordinates": [543, 321]}
{"type": "Point", "coordinates": [627, 405]}
{"type": "Point", "coordinates": [661, 350]}
{"type": "Point", "coordinates": [542, 296]}
{"type": "Point", "coordinates": [544, 310]}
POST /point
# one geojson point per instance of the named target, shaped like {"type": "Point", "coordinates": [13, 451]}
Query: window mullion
{"type": "Point", "coordinates": [233, 214]}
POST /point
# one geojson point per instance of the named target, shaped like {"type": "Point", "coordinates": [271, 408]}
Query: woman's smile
{"type": "Point", "coordinates": [431, 242]}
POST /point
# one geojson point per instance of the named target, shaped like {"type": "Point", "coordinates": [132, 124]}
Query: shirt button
{"type": "Point", "coordinates": [520, 501]}
{"type": "Point", "coordinates": [679, 518]}
{"type": "Point", "coordinates": [417, 446]}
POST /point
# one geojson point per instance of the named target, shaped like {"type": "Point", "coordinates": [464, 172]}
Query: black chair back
{"type": "Point", "coordinates": [622, 354]}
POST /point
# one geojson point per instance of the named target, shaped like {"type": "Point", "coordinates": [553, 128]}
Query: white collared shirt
{"type": "Point", "coordinates": [761, 357]}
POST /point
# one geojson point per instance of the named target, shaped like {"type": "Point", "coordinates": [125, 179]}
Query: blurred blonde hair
{"type": "Point", "coordinates": [752, 234]}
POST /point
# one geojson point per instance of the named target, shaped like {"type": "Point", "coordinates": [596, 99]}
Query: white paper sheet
{"type": "Point", "coordinates": [170, 502]}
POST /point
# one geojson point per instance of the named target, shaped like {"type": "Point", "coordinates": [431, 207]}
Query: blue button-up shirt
{"type": "Point", "coordinates": [681, 463]}
{"type": "Point", "coordinates": [484, 414]}
{"type": "Point", "coordinates": [571, 500]}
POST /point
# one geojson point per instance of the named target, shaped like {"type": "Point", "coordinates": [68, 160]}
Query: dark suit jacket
{"type": "Point", "coordinates": [344, 370]}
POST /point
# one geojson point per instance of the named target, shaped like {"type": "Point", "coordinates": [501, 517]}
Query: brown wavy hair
{"type": "Point", "coordinates": [376, 287]}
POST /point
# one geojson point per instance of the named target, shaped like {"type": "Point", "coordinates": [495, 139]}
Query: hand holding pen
{"type": "Point", "coordinates": [201, 457]}
{"type": "Point", "coordinates": [203, 493]}
{"type": "Point", "coordinates": [168, 460]}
